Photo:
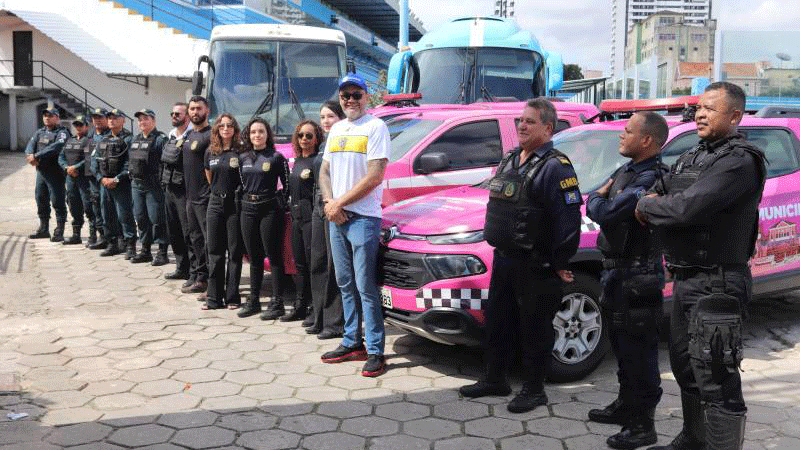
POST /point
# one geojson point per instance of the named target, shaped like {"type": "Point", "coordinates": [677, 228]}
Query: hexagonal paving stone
{"type": "Point", "coordinates": [268, 440]}
{"type": "Point", "coordinates": [107, 387]}
{"type": "Point", "coordinates": [141, 435]}
{"type": "Point", "coordinates": [77, 434]}
{"type": "Point", "coordinates": [399, 442]}
{"type": "Point", "coordinates": [432, 396]}
{"type": "Point", "coordinates": [321, 394]}
{"type": "Point", "coordinates": [248, 421]}
{"type": "Point", "coordinates": [39, 348]}
{"type": "Point", "coordinates": [403, 411]}
{"type": "Point", "coordinates": [220, 354]}
{"type": "Point", "coordinates": [174, 353]}
{"type": "Point", "coordinates": [345, 409]}
{"type": "Point", "coordinates": [184, 363]}
{"type": "Point", "coordinates": [118, 401]}
{"type": "Point", "coordinates": [333, 441]}
{"type": "Point", "coordinates": [493, 427]}
{"type": "Point", "coordinates": [572, 410]}
{"type": "Point", "coordinates": [282, 368]}
{"type": "Point", "coordinates": [461, 410]}
{"type": "Point", "coordinates": [267, 391]}
{"type": "Point", "coordinates": [64, 399]}
{"type": "Point", "coordinates": [370, 426]}
{"type": "Point", "coordinates": [118, 343]}
{"type": "Point", "coordinates": [229, 403]}
{"type": "Point", "coordinates": [198, 375]}
{"type": "Point", "coordinates": [557, 427]}
{"type": "Point", "coordinates": [158, 388]}
{"type": "Point", "coordinates": [249, 377]}
{"type": "Point", "coordinates": [301, 380]}
{"type": "Point", "coordinates": [309, 424]}
{"type": "Point", "coordinates": [432, 428]}
{"type": "Point", "coordinates": [132, 363]}
{"type": "Point", "coordinates": [286, 407]}
{"type": "Point", "coordinates": [530, 441]}
{"type": "Point", "coordinates": [465, 443]}
{"type": "Point", "coordinates": [149, 374]}
{"type": "Point", "coordinates": [71, 416]}
{"type": "Point", "coordinates": [99, 375]}
{"type": "Point", "coordinates": [206, 437]}
{"type": "Point", "coordinates": [192, 419]}
{"type": "Point", "coordinates": [151, 336]}
{"type": "Point", "coordinates": [234, 365]}
{"type": "Point", "coordinates": [112, 334]}
{"type": "Point", "coordinates": [43, 360]}
{"type": "Point", "coordinates": [406, 383]}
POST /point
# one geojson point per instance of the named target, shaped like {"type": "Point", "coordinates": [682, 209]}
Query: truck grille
{"type": "Point", "coordinates": [404, 270]}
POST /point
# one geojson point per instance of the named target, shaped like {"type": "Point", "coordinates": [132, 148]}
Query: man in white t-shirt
{"type": "Point", "coordinates": [351, 176]}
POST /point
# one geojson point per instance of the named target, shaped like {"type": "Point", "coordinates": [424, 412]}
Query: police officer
{"type": "Point", "coordinates": [197, 189]}
{"type": "Point", "coordinates": [175, 195]}
{"type": "Point", "coordinates": [707, 216]}
{"type": "Point", "coordinates": [42, 152]}
{"type": "Point", "coordinates": [112, 160]}
{"type": "Point", "coordinates": [100, 123]}
{"type": "Point", "coordinates": [76, 165]}
{"type": "Point", "coordinates": [533, 220]}
{"type": "Point", "coordinates": [148, 198]}
{"type": "Point", "coordinates": [633, 279]}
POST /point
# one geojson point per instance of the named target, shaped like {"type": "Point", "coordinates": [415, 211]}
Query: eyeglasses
{"type": "Point", "coordinates": [308, 136]}
{"type": "Point", "coordinates": [226, 125]}
{"type": "Point", "coordinates": [175, 114]}
{"type": "Point", "coordinates": [347, 95]}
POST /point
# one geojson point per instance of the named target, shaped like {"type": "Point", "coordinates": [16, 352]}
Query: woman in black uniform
{"type": "Point", "coordinates": [305, 142]}
{"type": "Point", "coordinates": [262, 219]}
{"type": "Point", "coordinates": [327, 316]}
{"type": "Point", "coordinates": [224, 234]}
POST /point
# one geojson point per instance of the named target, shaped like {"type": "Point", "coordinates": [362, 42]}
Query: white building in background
{"type": "Point", "coordinates": [624, 13]}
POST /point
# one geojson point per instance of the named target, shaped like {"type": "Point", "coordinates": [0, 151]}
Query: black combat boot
{"type": "Point", "coordinates": [494, 383]}
{"type": "Point", "coordinates": [638, 432]}
{"type": "Point", "coordinates": [275, 309]}
{"type": "Point", "coordinates": [310, 319]}
{"type": "Point", "coordinates": [692, 436]}
{"type": "Point", "coordinates": [101, 241]}
{"type": "Point", "coordinates": [75, 238]}
{"type": "Point", "coordinates": [724, 429]}
{"type": "Point", "coordinates": [143, 256]}
{"type": "Point", "coordinates": [529, 397]}
{"type": "Point", "coordinates": [112, 248]}
{"type": "Point", "coordinates": [92, 238]}
{"type": "Point", "coordinates": [43, 231]}
{"type": "Point", "coordinates": [250, 308]}
{"type": "Point", "coordinates": [58, 232]}
{"type": "Point", "coordinates": [615, 413]}
{"type": "Point", "coordinates": [161, 257]}
{"type": "Point", "coordinates": [130, 248]}
{"type": "Point", "coordinates": [298, 313]}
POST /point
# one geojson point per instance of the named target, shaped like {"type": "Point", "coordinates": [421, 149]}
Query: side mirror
{"type": "Point", "coordinates": [555, 72]}
{"type": "Point", "coordinates": [350, 66]}
{"type": "Point", "coordinates": [398, 68]}
{"type": "Point", "coordinates": [197, 82]}
{"type": "Point", "coordinates": [432, 162]}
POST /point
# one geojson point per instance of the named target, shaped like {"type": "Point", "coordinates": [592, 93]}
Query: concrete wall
{"type": "Point", "coordinates": [128, 97]}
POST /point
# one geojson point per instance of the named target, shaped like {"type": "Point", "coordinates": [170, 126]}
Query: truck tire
{"type": "Point", "coordinates": [581, 333]}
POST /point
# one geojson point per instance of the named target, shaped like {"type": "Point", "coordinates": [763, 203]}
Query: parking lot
{"type": "Point", "coordinates": [100, 353]}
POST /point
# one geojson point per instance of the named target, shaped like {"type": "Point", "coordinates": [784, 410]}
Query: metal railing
{"type": "Point", "coordinates": [197, 17]}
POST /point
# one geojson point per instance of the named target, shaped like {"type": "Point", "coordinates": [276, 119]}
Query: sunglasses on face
{"type": "Point", "coordinates": [308, 136]}
{"type": "Point", "coordinates": [175, 114]}
{"type": "Point", "coordinates": [354, 95]}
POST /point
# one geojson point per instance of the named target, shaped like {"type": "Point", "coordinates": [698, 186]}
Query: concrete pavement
{"type": "Point", "coordinates": [104, 354]}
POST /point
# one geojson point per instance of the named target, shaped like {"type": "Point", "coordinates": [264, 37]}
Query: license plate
{"type": "Point", "coordinates": [386, 297]}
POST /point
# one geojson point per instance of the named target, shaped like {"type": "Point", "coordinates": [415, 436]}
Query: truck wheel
{"type": "Point", "coordinates": [581, 334]}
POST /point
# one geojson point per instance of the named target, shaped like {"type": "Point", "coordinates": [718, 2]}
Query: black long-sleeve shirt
{"type": "Point", "coordinates": [261, 171]}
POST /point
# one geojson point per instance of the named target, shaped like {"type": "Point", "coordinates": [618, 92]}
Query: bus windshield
{"type": "Point", "coordinates": [276, 80]}
{"type": "Point", "coordinates": [467, 75]}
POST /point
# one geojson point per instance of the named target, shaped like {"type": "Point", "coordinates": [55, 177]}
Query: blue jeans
{"type": "Point", "coordinates": [354, 246]}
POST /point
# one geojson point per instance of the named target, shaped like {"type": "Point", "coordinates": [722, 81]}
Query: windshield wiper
{"type": "Point", "coordinates": [296, 103]}
{"type": "Point", "coordinates": [486, 94]}
{"type": "Point", "coordinates": [267, 103]}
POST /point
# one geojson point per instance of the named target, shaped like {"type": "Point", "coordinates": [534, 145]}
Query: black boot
{"type": "Point", "coordinates": [101, 241]}
{"type": "Point", "coordinates": [494, 383]}
{"type": "Point", "coordinates": [724, 429]}
{"type": "Point", "coordinates": [275, 309]}
{"type": "Point", "coordinates": [161, 257]}
{"type": "Point", "coordinates": [111, 248]}
{"type": "Point", "coordinates": [309, 321]}
{"type": "Point", "coordinates": [130, 248]}
{"type": "Point", "coordinates": [143, 256]}
{"type": "Point", "coordinates": [298, 313]}
{"type": "Point", "coordinates": [58, 232]}
{"type": "Point", "coordinates": [76, 236]}
{"type": "Point", "coordinates": [615, 413]}
{"type": "Point", "coordinates": [692, 436]}
{"type": "Point", "coordinates": [92, 239]}
{"type": "Point", "coordinates": [43, 231]}
{"type": "Point", "coordinates": [638, 432]}
{"type": "Point", "coordinates": [251, 307]}
{"type": "Point", "coordinates": [528, 399]}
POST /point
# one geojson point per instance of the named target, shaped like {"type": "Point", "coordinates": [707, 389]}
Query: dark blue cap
{"type": "Point", "coordinates": [146, 112]}
{"type": "Point", "coordinates": [80, 119]}
{"type": "Point", "coordinates": [99, 112]}
{"type": "Point", "coordinates": [53, 111]}
{"type": "Point", "coordinates": [115, 112]}
{"type": "Point", "coordinates": [352, 79]}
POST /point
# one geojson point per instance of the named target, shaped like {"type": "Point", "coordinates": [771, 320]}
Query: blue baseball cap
{"type": "Point", "coordinates": [99, 112]}
{"type": "Point", "coordinates": [352, 79]}
{"type": "Point", "coordinates": [53, 111]}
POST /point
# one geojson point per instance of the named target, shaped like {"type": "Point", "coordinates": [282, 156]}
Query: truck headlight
{"type": "Point", "coordinates": [453, 266]}
{"type": "Point", "coordinates": [456, 238]}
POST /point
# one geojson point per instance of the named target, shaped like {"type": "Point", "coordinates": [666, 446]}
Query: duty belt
{"type": "Point", "coordinates": [257, 197]}
{"type": "Point", "coordinates": [222, 194]}
{"type": "Point", "coordinates": [686, 272]}
{"type": "Point", "coordinates": [623, 263]}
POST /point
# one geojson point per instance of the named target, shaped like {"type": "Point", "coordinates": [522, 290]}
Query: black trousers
{"type": "Point", "coordinates": [79, 200]}
{"type": "Point", "coordinates": [327, 300]}
{"type": "Point", "coordinates": [637, 354]}
{"type": "Point", "coordinates": [718, 386]}
{"type": "Point", "coordinates": [50, 187]}
{"type": "Point", "coordinates": [262, 231]}
{"type": "Point", "coordinates": [301, 247]}
{"type": "Point", "coordinates": [94, 189]}
{"type": "Point", "coordinates": [224, 236]}
{"type": "Point", "coordinates": [523, 299]}
{"type": "Point", "coordinates": [178, 229]}
{"type": "Point", "coordinates": [196, 211]}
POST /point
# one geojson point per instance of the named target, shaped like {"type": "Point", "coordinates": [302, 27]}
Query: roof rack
{"type": "Point", "coordinates": [401, 100]}
{"type": "Point", "coordinates": [687, 105]}
{"type": "Point", "coordinates": [784, 112]}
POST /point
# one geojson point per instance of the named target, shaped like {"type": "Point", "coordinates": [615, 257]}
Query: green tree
{"type": "Point", "coordinates": [572, 72]}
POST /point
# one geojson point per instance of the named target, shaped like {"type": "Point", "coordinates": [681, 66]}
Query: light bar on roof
{"type": "Point", "coordinates": [658, 104]}
{"type": "Point", "coordinates": [397, 98]}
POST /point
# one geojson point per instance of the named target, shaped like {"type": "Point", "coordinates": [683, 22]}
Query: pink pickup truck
{"type": "Point", "coordinates": [436, 264]}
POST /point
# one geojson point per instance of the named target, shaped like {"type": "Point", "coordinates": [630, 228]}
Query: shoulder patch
{"type": "Point", "coordinates": [572, 197]}
{"type": "Point", "coordinates": [564, 160]}
{"type": "Point", "coordinates": [568, 183]}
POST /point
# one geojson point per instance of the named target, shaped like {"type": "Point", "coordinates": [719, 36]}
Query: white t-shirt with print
{"type": "Point", "coordinates": [350, 144]}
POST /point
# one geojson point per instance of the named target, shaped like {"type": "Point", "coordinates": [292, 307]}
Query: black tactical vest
{"type": "Point", "coordinates": [172, 162]}
{"type": "Point", "coordinates": [46, 138]}
{"type": "Point", "coordinates": [74, 150]}
{"type": "Point", "coordinates": [110, 153]}
{"type": "Point", "coordinates": [512, 218]}
{"type": "Point", "coordinates": [730, 236]}
{"type": "Point", "coordinates": [139, 157]}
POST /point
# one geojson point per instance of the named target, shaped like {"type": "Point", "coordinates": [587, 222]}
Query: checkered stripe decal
{"type": "Point", "coordinates": [587, 225]}
{"type": "Point", "coordinates": [452, 298]}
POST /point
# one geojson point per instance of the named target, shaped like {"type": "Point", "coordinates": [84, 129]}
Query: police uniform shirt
{"type": "Point", "coordinates": [261, 171]}
{"type": "Point", "coordinates": [555, 187]}
{"type": "Point", "coordinates": [94, 139]}
{"type": "Point", "coordinates": [301, 180]}
{"type": "Point", "coordinates": [45, 145]}
{"type": "Point", "coordinates": [642, 176]}
{"type": "Point", "coordinates": [719, 187]}
{"type": "Point", "coordinates": [64, 160]}
{"type": "Point", "coordinates": [224, 172]}
{"type": "Point", "coordinates": [194, 152]}
{"type": "Point", "coordinates": [153, 152]}
{"type": "Point", "coordinates": [124, 136]}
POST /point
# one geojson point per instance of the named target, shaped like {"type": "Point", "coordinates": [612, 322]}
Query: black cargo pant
{"type": "Point", "coordinates": [301, 248]}
{"type": "Point", "coordinates": [79, 200]}
{"type": "Point", "coordinates": [523, 299]}
{"type": "Point", "coordinates": [50, 187]}
{"type": "Point", "coordinates": [224, 236]}
{"type": "Point", "coordinates": [262, 231]}
{"type": "Point", "coordinates": [327, 300]}
{"type": "Point", "coordinates": [178, 229]}
{"type": "Point", "coordinates": [196, 211]}
{"type": "Point", "coordinates": [94, 189]}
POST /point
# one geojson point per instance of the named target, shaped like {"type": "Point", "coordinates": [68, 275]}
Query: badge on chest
{"type": "Point", "coordinates": [265, 167]}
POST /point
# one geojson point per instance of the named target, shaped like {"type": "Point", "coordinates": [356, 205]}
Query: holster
{"type": "Point", "coordinates": [715, 329]}
{"type": "Point", "coordinates": [640, 309]}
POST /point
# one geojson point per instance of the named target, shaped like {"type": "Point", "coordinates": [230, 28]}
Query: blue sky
{"type": "Point", "coordinates": [581, 29]}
